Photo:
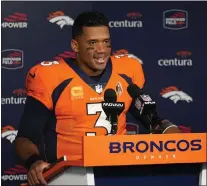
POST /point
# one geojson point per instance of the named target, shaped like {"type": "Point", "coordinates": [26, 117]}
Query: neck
{"type": "Point", "coordinates": [86, 69]}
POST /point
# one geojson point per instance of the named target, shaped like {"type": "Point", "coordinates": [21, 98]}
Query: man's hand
{"type": "Point", "coordinates": [34, 175]}
{"type": "Point", "coordinates": [165, 127]}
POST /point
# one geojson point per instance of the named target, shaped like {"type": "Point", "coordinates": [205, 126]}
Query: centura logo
{"type": "Point", "coordinates": [8, 132]}
{"type": "Point", "coordinates": [18, 173]}
{"type": "Point", "coordinates": [174, 94]}
{"type": "Point", "coordinates": [183, 59]}
{"type": "Point", "coordinates": [19, 97]}
{"type": "Point", "coordinates": [11, 59]}
{"type": "Point", "coordinates": [123, 52]}
{"type": "Point", "coordinates": [65, 55]}
{"type": "Point", "coordinates": [175, 19]}
{"type": "Point", "coordinates": [134, 15]}
{"type": "Point", "coordinates": [19, 92]}
{"type": "Point", "coordinates": [131, 21]}
{"type": "Point", "coordinates": [60, 19]}
{"type": "Point", "coordinates": [16, 20]}
{"type": "Point", "coordinates": [184, 53]}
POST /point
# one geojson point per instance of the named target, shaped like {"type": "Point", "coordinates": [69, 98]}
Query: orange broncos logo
{"type": "Point", "coordinates": [169, 89]}
{"type": "Point", "coordinates": [55, 14]}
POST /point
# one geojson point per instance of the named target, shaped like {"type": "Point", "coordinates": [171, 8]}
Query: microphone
{"type": "Point", "coordinates": [112, 108]}
{"type": "Point", "coordinates": [143, 102]}
{"type": "Point", "coordinates": [143, 107]}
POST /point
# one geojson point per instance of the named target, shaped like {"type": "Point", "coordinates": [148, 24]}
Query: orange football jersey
{"type": "Point", "coordinates": [75, 100]}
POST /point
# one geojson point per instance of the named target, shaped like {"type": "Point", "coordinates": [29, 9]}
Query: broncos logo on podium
{"type": "Point", "coordinates": [9, 133]}
{"type": "Point", "coordinates": [174, 94]}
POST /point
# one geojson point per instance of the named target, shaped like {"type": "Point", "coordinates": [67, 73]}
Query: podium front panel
{"type": "Point", "coordinates": [144, 149]}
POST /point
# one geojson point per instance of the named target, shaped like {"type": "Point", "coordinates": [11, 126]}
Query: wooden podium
{"type": "Point", "coordinates": [129, 150]}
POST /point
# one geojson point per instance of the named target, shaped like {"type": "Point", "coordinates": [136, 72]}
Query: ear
{"type": "Point", "coordinates": [74, 45]}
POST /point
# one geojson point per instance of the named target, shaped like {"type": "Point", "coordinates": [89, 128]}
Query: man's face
{"type": "Point", "coordinates": [94, 48]}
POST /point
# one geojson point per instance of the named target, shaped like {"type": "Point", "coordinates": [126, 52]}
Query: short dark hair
{"type": "Point", "coordinates": [88, 19]}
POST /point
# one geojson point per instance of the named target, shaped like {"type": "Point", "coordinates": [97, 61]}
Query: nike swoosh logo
{"type": "Point", "coordinates": [32, 75]}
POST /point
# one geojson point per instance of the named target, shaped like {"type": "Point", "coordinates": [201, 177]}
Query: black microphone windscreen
{"type": "Point", "coordinates": [134, 91]}
{"type": "Point", "coordinates": [110, 95]}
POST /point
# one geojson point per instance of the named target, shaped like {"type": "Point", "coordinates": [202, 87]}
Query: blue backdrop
{"type": "Point", "coordinates": [169, 38]}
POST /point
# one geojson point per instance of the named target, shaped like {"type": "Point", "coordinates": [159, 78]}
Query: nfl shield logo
{"type": "Point", "coordinates": [146, 97]}
{"type": "Point", "coordinates": [99, 88]}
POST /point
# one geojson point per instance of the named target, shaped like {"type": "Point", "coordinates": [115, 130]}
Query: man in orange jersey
{"type": "Point", "coordinates": [64, 97]}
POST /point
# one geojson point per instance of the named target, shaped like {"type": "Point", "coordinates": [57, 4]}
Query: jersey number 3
{"type": "Point", "coordinates": [94, 109]}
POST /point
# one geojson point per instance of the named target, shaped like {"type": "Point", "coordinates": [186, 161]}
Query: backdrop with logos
{"type": "Point", "coordinates": [168, 37]}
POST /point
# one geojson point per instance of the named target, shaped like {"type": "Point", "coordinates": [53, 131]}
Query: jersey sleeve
{"type": "Point", "coordinates": [37, 86]}
{"type": "Point", "coordinates": [32, 123]}
{"type": "Point", "coordinates": [138, 77]}
{"type": "Point", "coordinates": [130, 66]}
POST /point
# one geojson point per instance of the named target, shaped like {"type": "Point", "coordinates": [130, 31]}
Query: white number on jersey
{"type": "Point", "coordinates": [93, 109]}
